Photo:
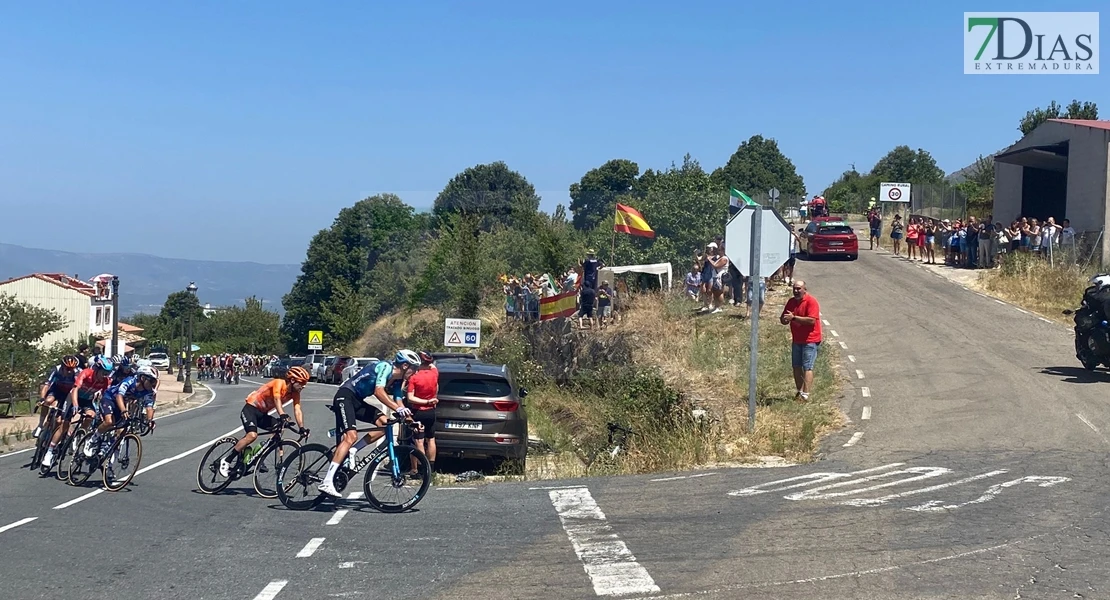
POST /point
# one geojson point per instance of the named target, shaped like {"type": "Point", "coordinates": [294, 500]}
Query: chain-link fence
{"type": "Point", "coordinates": [938, 201]}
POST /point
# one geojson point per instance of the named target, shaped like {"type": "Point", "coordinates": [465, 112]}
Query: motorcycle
{"type": "Point", "coordinates": [1092, 324]}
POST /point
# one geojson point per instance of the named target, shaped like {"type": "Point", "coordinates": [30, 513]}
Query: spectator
{"type": "Point", "coordinates": [604, 304]}
{"type": "Point", "coordinates": [984, 254]}
{"type": "Point", "coordinates": [587, 296]}
{"type": "Point", "coordinates": [896, 228]}
{"type": "Point", "coordinates": [590, 268]}
{"type": "Point", "coordinates": [803, 314]}
{"type": "Point", "coordinates": [1035, 236]}
{"type": "Point", "coordinates": [913, 233]}
{"type": "Point", "coordinates": [1001, 242]}
{"type": "Point", "coordinates": [82, 356]}
{"type": "Point", "coordinates": [1015, 235]}
{"type": "Point", "coordinates": [788, 268]}
{"type": "Point", "coordinates": [875, 220]}
{"type": "Point", "coordinates": [930, 238]}
{"type": "Point", "coordinates": [423, 396]}
{"type": "Point", "coordinates": [719, 262]}
{"type": "Point", "coordinates": [706, 277]}
{"type": "Point", "coordinates": [1067, 240]}
{"type": "Point", "coordinates": [693, 281]}
{"type": "Point", "coordinates": [1049, 235]}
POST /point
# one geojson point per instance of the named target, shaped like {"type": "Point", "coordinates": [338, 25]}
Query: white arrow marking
{"type": "Point", "coordinates": [885, 499]}
{"type": "Point", "coordinates": [819, 493]}
{"type": "Point", "coordinates": [810, 479]}
{"type": "Point", "coordinates": [992, 492]}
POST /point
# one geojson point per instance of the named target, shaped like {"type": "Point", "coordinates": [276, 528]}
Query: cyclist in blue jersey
{"type": "Point", "coordinates": [113, 404]}
{"type": "Point", "coordinates": [57, 387]}
{"type": "Point", "coordinates": [380, 380]}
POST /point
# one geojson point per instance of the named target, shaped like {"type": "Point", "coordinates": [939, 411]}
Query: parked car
{"type": "Point", "coordinates": [160, 360]}
{"type": "Point", "coordinates": [312, 362]}
{"type": "Point", "coordinates": [279, 370]}
{"type": "Point", "coordinates": [318, 370]}
{"type": "Point", "coordinates": [827, 237]}
{"type": "Point", "coordinates": [268, 369]}
{"type": "Point", "coordinates": [333, 373]}
{"type": "Point", "coordinates": [481, 411]}
{"type": "Point", "coordinates": [354, 366]}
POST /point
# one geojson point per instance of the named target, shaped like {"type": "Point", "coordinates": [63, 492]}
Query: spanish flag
{"type": "Point", "coordinates": [629, 220]}
{"type": "Point", "coordinates": [561, 305]}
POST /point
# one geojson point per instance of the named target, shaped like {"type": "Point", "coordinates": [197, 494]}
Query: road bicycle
{"type": "Point", "coordinates": [49, 426]}
{"type": "Point", "coordinates": [139, 423]}
{"type": "Point", "coordinates": [395, 470]}
{"type": "Point", "coordinates": [124, 453]}
{"type": "Point", "coordinates": [63, 452]}
{"type": "Point", "coordinates": [269, 456]}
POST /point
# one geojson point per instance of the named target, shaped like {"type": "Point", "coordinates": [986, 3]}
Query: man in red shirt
{"type": "Point", "coordinates": [803, 315]}
{"type": "Point", "coordinates": [423, 396]}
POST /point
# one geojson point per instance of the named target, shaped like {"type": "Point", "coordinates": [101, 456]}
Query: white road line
{"type": "Point", "coordinates": [310, 547]}
{"type": "Point", "coordinates": [806, 480]}
{"type": "Point", "coordinates": [337, 517]}
{"type": "Point", "coordinates": [1001, 302]}
{"type": "Point", "coordinates": [354, 496]}
{"type": "Point", "coordinates": [17, 524]}
{"type": "Point", "coordinates": [884, 499]}
{"type": "Point", "coordinates": [682, 477]}
{"type": "Point", "coordinates": [820, 493]}
{"type": "Point", "coordinates": [7, 454]}
{"type": "Point", "coordinates": [79, 499]}
{"type": "Point", "coordinates": [851, 358]}
{"type": "Point", "coordinates": [1044, 319]}
{"type": "Point", "coordinates": [271, 590]}
{"type": "Point", "coordinates": [556, 487]}
{"type": "Point", "coordinates": [859, 374]}
{"type": "Point", "coordinates": [1021, 311]}
{"type": "Point", "coordinates": [865, 391]}
{"type": "Point", "coordinates": [454, 487]}
{"type": "Point", "coordinates": [825, 322]}
{"type": "Point", "coordinates": [866, 413]}
{"type": "Point", "coordinates": [835, 334]}
{"type": "Point", "coordinates": [608, 562]}
{"type": "Point", "coordinates": [855, 438]}
{"type": "Point", "coordinates": [1089, 424]}
{"type": "Point", "coordinates": [843, 346]}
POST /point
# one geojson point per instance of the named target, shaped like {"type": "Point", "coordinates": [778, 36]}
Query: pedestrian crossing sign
{"type": "Point", "coordinates": [315, 340]}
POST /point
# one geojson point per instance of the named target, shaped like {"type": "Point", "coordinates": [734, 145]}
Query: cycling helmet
{"type": "Point", "coordinates": [70, 362]}
{"type": "Point", "coordinates": [102, 363]}
{"type": "Point", "coordinates": [297, 375]}
{"type": "Point", "coordinates": [425, 357]}
{"type": "Point", "coordinates": [407, 357]}
{"type": "Point", "coordinates": [146, 372]}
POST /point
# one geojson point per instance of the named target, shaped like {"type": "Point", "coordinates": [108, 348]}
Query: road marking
{"type": "Point", "coordinates": [859, 374]}
{"type": "Point", "coordinates": [608, 562]}
{"type": "Point", "coordinates": [1044, 319]}
{"type": "Point", "coordinates": [1001, 302]}
{"type": "Point", "coordinates": [271, 590]}
{"type": "Point", "coordinates": [351, 564]}
{"type": "Point", "coordinates": [17, 524]}
{"type": "Point", "coordinates": [1021, 311]}
{"type": "Point", "coordinates": [825, 322]}
{"type": "Point", "coordinates": [866, 413]}
{"type": "Point", "coordinates": [310, 547]}
{"type": "Point", "coordinates": [819, 493]}
{"type": "Point", "coordinates": [337, 517]}
{"type": "Point", "coordinates": [682, 477]}
{"type": "Point", "coordinates": [835, 334]}
{"type": "Point", "coordinates": [851, 358]}
{"type": "Point", "coordinates": [855, 438]}
{"type": "Point", "coordinates": [990, 494]}
{"type": "Point", "coordinates": [1089, 424]}
{"type": "Point", "coordinates": [810, 479]}
{"type": "Point", "coordinates": [843, 346]}
{"type": "Point", "coordinates": [79, 499]}
{"type": "Point", "coordinates": [884, 499]}
{"type": "Point", "coordinates": [354, 496]}
{"type": "Point", "coordinates": [7, 454]}
{"type": "Point", "coordinates": [866, 391]}
{"type": "Point", "coordinates": [556, 487]}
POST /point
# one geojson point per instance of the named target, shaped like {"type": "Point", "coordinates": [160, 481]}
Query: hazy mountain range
{"type": "Point", "coordinates": [146, 280]}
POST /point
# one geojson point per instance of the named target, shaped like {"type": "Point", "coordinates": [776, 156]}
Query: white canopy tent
{"type": "Point", "coordinates": [659, 269]}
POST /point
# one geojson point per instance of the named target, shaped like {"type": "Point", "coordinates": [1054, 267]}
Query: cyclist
{"type": "Point", "coordinates": [380, 380]}
{"type": "Point", "coordinates": [57, 387]}
{"type": "Point", "coordinates": [113, 404]}
{"type": "Point", "coordinates": [260, 402]}
{"type": "Point", "coordinates": [87, 388]}
{"type": "Point", "coordinates": [123, 369]}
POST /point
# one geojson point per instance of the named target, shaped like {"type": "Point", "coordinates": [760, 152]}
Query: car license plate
{"type": "Point", "coordinates": [836, 243]}
{"type": "Point", "coordinates": [462, 425]}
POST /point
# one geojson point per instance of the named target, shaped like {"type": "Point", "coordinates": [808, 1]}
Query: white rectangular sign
{"type": "Point", "coordinates": [774, 237]}
{"type": "Point", "coordinates": [894, 192]}
{"type": "Point", "coordinates": [462, 333]}
{"type": "Point", "coordinates": [1031, 43]}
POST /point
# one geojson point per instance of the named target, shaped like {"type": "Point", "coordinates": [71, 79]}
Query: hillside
{"type": "Point", "coordinates": [146, 280]}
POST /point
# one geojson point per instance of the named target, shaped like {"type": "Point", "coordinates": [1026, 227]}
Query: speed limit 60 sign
{"type": "Point", "coordinates": [894, 192]}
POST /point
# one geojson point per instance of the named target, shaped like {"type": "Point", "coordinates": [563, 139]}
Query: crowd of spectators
{"type": "Point", "coordinates": [596, 302]}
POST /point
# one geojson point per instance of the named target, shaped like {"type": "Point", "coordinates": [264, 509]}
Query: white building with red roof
{"type": "Point", "coordinates": [86, 307]}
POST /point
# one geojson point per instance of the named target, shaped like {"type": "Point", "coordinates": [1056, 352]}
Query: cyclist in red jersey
{"type": "Point", "coordinates": [87, 389]}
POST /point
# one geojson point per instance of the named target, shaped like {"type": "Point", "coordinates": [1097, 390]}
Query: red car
{"type": "Point", "coordinates": [828, 237]}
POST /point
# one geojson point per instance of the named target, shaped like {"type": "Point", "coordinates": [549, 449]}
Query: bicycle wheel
{"type": "Point", "coordinates": [82, 466]}
{"type": "Point", "coordinates": [397, 494]}
{"type": "Point", "coordinates": [63, 455]}
{"type": "Point", "coordinates": [301, 472]}
{"type": "Point", "coordinates": [209, 479]}
{"type": "Point", "coordinates": [122, 462]}
{"type": "Point", "coordinates": [41, 445]}
{"type": "Point", "coordinates": [270, 462]}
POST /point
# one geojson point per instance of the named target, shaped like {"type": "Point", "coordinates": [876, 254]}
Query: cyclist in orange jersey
{"type": "Point", "coordinates": [260, 402]}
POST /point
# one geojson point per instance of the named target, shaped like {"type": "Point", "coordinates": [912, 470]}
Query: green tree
{"type": "Point", "coordinates": [594, 196]}
{"type": "Point", "coordinates": [757, 166]}
{"type": "Point", "coordinates": [491, 191]}
{"type": "Point", "coordinates": [1075, 110]}
{"type": "Point", "coordinates": [247, 328]}
{"type": "Point", "coordinates": [903, 165]}
{"type": "Point", "coordinates": [367, 245]}
{"type": "Point", "coordinates": [22, 327]}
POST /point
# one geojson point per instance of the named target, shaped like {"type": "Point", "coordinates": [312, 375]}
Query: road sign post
{"type": "Point", "coordinates": [753, 289]}
{"type": "Point", "coordinates": [462, 333]}
{"type": "Point", "coordinates": [315, 340]}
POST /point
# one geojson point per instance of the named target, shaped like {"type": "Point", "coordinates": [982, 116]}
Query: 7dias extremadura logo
{"type": "Point", "coordinates": [1036, 43]}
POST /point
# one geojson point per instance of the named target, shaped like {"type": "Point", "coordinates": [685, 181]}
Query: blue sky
{"type": "Point", "coordinates": [238, 130]}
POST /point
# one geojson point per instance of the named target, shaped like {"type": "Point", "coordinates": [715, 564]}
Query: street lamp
{"type": "Point", "coordinates": [188, 387]}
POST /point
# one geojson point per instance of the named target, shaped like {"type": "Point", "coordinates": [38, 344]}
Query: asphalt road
{"type": "Point", "coordinates": [978, 474]}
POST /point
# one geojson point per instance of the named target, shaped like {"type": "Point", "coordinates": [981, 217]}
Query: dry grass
{"type": "Point", "coordinates": [1031, 283]}
{"type": "Point", "coordinates": [390, 328]}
